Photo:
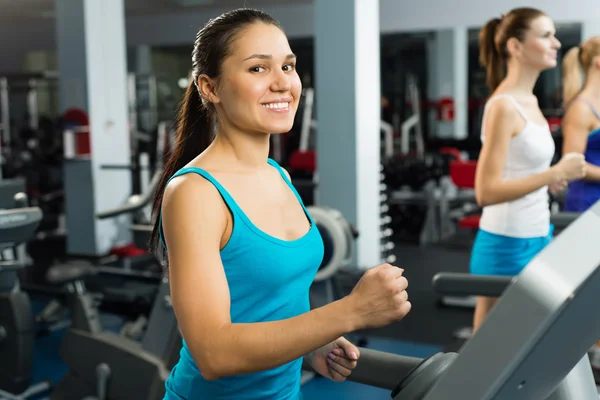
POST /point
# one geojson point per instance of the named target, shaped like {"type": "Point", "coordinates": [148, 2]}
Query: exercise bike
{"type": "Point", "coordinates": [17, 333]}
{"type": "Point", "coordinates": [105, 365]}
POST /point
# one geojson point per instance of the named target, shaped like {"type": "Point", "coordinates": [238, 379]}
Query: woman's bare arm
{"type": "Point", "coordinates": [576, 128]}
{"type": "Point", "coordinates": [502, 123]}
{"type": "Point", "coordinates": [194, 221]}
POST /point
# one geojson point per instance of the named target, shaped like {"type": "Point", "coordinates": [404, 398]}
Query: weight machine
{"type": "Point", "coordinates": [414, 121]}
{"type": "Point", "coordinates": [31, 138]}
{"type": "Point", "coordinates": [26, 85]}
{"type": "Point", "coordinates": [401, 198]}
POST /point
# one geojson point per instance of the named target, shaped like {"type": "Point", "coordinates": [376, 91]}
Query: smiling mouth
{"type": "Point", "coordinates": [277, 106]}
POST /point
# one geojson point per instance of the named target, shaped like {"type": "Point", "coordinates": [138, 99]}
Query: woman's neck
{"type": "Point", "coordinates": [247, 150]}
{"type": "Point", "coordinates": [520, 79]}
{"type": "Point", "coordinates": [592, 85]}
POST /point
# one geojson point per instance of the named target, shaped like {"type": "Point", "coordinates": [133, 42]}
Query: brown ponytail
{"type": "Point", "coordinates": [489, 56]}
{"type": "Point", "coordinates": [194, 135]}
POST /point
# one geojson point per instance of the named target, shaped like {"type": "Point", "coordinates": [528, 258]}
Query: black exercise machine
{"type": "Point", "coordinates": [108, 365]}
{"type": "Point", "coordinates": [17, 323]}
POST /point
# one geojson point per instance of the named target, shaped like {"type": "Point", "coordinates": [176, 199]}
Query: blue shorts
{"type": "Point", "coordinates": [494, 254]}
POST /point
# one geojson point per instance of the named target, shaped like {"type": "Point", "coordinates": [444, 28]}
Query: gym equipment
{"type": "Point", "coordinates": [414, 121]}
{"type": "Point", "coordinates": [151, 100]}
{"type": "Point", "coordinates": [563, 219]}
{"type": "Point", "coordinates": [543, 307]}
{"type": "Point", "coordinates": [388, 144]}
{"type": "Point", "coordinates": [406, 167]}
{"type": "Point", "coordinates": [30, 145]}
{"type": "Point", "coordinates": [17, 226]}
{"type": "Point", "coordinates": [8, 189]}
{"type": "Point", "coordinates": [75, 127]}
{"type": "Point", "coordinates": [414, 171]}
{"type": "Point", "coordinates": [128, 284]}
{"type": "Point", "coordinates": [414, 215]}
{"type": "Point", "coordinates": [129, 277]}
{"type": "Point", "coordinates": [386, 231]}
{"type": "Point", "coordinates": [338, 240]}
{"type": "Point", "coordinates": [134, 204]}
{"type": "Point", "coordinates": [23, 89]}
{"type": "Point", "coordinates": [112, 366]}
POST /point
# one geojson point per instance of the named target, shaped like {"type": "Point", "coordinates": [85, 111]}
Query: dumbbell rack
{"type": "Point", "coordinates": [428, 198]}
{"type": "Point", "coordinates": [385, 230]}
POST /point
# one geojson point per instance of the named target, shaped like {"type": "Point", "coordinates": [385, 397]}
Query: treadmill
{"type": "Point", "coordinates": [532, 346]}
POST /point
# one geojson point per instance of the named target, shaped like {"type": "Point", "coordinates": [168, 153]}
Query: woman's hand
{"type": "Point", "coordinates": [335, 360]}
{"type": "Point", "coordinates": [558, 186]}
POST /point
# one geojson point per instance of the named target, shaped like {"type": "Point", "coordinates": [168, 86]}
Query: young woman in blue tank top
{"type": "Point", "coordinates": [241, 250]}
{"type": "Point", "coordinates": [513, 172]}
{"type": "Point", "coordinates": [581, 122]}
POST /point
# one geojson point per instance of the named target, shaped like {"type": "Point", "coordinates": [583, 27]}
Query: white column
{"type": "Point", "coordinates": [93, 76]}
{"type": "Point", "coordinates": [460, 88]}
{"type": "Point", "coordinates": [448, 54]}
{"type": "Point", "coordinates": [348, 104]}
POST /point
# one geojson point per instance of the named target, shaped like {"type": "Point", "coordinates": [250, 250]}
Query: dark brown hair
{"type": "Point", "coordinates": [196, 118]}
{"type": "Point", "coordinates": [493, 37]}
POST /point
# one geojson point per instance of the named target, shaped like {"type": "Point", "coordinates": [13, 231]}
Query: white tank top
{"type": "Point", "coordinates": [529, 152]}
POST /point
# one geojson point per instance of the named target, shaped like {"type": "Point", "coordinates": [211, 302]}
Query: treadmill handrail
{"type": "Point", "coordinates": [563, 219]}
{"type": "Point", "coordinates": [142, 202]}
{"type": "Point", "coordinates": [377, 368]}
{"type": "Point", "coordinates": [464, 284]}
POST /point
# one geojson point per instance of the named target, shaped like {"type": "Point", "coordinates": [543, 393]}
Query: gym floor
{"type": "Point", "coordinates": [425, 331]}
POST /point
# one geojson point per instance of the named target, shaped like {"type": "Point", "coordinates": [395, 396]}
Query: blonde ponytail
{"type": "Point", "coordinates": [573, 75]}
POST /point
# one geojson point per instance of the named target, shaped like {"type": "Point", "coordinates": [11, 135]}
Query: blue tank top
{"type": "Point", "coordinates": [581, 194]}
{"type": "Point", "coordinates": [269, 279]}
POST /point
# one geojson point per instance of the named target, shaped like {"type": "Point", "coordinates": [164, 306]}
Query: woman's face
{"type": "Point", "coordinates": [259, 88]}
{"type": "Point", "coordinates": [540, 47]}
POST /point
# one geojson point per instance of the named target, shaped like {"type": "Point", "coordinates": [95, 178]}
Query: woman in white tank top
{"type": "Point", "coordinates": [514, 172]}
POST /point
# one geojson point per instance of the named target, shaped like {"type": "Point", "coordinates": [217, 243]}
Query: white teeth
{"type": "Point", "coordinates": [276, 105]}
